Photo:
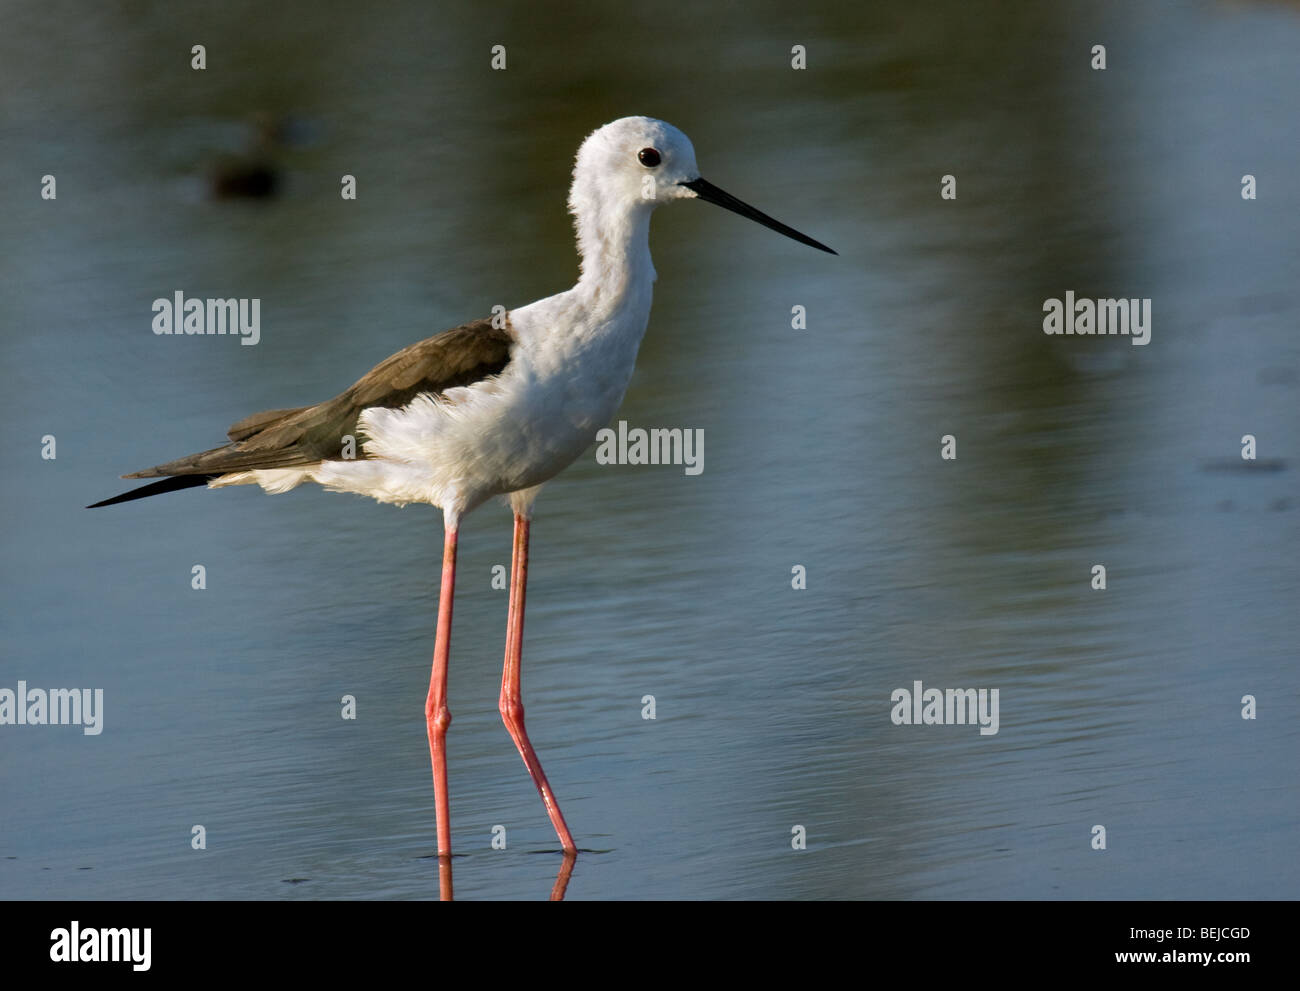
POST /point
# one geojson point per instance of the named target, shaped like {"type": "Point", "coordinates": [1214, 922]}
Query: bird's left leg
{"type": "Point", "coordinates": [512, 703]}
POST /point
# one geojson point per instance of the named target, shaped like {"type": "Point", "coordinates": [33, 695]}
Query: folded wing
{"type": "Point", "coordinates": [293, 438]}
{"type": "Point", "coordinates": [308, 435]}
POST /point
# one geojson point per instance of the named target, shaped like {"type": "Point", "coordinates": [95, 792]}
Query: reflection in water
{"type": "Point", "coordinates": [562, 878]}
{"type": "Point", "coordinates": [561, 885]}
{"type": "Point", "coordinates": [445, 892]}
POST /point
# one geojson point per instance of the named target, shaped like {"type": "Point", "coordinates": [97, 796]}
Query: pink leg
{"type": "Point", "coordinates": [512, 703]}
{"type": "Point", "coordinates": [562, 879]}
{"type": "Point", "coordinates": [436, 714]}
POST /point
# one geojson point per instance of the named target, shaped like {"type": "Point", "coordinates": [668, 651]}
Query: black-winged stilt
{"type": "Point", "coordinates": [489, 408]}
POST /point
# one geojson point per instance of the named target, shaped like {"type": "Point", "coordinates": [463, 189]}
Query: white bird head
{"type": "Point", "coordinates": [632, 165]}
{"type": "Point", "coordinates": [636, 159]}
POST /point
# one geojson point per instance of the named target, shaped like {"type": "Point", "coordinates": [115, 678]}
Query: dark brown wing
{"type": "Point", "coordinates": [292, 438]}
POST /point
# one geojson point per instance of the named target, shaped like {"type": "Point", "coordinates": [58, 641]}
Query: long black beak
{"type": "Point", "coordinates": [710, 193]}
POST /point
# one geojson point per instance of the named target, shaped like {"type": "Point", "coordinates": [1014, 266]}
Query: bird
{"type": "Point", "coordinates": [492, 408]}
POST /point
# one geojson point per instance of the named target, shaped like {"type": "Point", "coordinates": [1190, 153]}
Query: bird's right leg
{"type": "Point", "coordinates": [436, 714]}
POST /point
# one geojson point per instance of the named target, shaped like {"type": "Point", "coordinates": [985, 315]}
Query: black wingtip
{"type": "Point", "coordinates": [156, 488]}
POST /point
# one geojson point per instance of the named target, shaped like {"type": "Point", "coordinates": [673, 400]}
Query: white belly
{"type": "Point", "coordinates": [503, 435]}
{"type": "Point", "coordinates": [565, 380]}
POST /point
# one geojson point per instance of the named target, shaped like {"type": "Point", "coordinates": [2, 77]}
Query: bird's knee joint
{"type": "Point", "coordinates": [438, 716]}
{"type": "Point", "coordinates": [512, 711]}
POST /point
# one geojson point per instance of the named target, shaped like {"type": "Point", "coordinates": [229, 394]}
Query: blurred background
{"type": "Point", "coordinates": [1118, 707]}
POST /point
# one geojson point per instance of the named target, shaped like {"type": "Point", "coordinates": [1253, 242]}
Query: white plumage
{"type": "Point", "coordinates": [488, 409]}
{"type": "Point", "coordinates": [568, 372]}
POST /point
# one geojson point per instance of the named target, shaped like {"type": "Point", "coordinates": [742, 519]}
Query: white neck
{"type": "Point", "coordinates": [614, 242]}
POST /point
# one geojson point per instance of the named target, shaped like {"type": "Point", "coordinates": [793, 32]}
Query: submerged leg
{"type": "Point", "coordinates": [512, 704]}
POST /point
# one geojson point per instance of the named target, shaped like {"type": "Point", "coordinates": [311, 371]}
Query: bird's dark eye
{"type": "Point", "coordinates": [648, 157]}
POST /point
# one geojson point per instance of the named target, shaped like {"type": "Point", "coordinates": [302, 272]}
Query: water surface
{"type": "Point", "coordinates": [1119, 708]}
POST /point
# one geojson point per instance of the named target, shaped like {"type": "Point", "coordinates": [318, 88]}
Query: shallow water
{"type": "Point", "coordinates": [1118, 707]}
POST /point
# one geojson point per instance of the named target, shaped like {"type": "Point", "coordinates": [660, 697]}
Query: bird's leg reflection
{"type": "Point", "coordinates": [444, 879]}
{"type": "Point", "coordinates": [561, 879]}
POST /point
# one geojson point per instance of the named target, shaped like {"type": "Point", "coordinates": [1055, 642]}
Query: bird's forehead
{"type": "Point", "coordinates": [646, 132]}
